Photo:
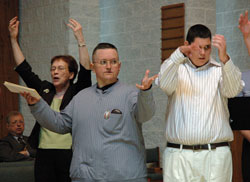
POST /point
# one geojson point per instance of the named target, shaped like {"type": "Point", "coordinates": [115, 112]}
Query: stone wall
{"type": "Point", "coordinates": [134, 26]}
{"type": "Point", "coordinates": [44, 34]}
{"type": "Point", "coordinates": [227, 16]}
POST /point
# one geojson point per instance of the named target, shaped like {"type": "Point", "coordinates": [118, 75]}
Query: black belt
{"type": "Point", "coordinates": [198, 147]}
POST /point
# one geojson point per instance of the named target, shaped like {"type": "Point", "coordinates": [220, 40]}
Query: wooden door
{"type": "Point", "coordinates": [8, 101]}
{"type": "Point", "coordinates": [236, 147]}
{"type": "Point", "coordinates": [172, 31]}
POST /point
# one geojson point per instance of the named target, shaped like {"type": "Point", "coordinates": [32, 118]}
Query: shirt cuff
{"type": "Point", "coordinates": [148, 88]}
{"type": "Point", "coordinates": [228, 66]}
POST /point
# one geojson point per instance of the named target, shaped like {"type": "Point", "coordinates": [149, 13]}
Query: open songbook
{"type": "Point", "coordinates": [19, 89]}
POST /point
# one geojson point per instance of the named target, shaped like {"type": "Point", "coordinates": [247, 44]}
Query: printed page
{"type": "Point", "coordinates": [19, 89]}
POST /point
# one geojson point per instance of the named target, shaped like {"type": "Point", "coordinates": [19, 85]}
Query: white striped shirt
{"type": "Point", "coordinates": [197, 111]}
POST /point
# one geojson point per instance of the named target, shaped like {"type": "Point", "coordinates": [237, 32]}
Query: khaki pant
{"type": "Point", "coordinates": [182, 165]}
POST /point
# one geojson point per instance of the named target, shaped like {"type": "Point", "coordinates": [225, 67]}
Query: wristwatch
{"type": "Point", "coordinates": [81, 44]}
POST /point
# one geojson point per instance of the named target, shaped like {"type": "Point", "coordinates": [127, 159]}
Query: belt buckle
{"type": "Point", "coordinates": [196, 147]}
{"type": "Point", "coordinates": [213, 146]}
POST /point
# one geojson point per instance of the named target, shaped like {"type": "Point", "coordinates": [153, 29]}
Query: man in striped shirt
{"type": "Point", "coordinates": [197, 117]}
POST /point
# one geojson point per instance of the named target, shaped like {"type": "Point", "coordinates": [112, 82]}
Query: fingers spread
{"type": "Point", "coordinates": [154, 77]}
{"type": "Point", "coordinates": [13, 19]}
{"type": "Point", "coordinates": [70, 26]}
{"type": "Point", "coordinates": [73, 21]}
{"type": "Point", "coordinates": [140, 86]}
{"type": "Point", "coordinates": [146, 74]}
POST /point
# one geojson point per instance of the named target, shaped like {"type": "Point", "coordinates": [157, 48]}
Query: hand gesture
{"type": "Point", "coordinates": [146, 81]}
{"type": "Point", "coordinates": [188, 49]}
{"type": "Point", "coordinates": [220, 43]}
{"type": "Point", "coordinates": [13, 27]}
{"type": "Point", "coordinates": [244, 25]}
{"type": "Point", "coordinates": [77, 29]}
{"type": "Point", "coordinates": [30, 100]}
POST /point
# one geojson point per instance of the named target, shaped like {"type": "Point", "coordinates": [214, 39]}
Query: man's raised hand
{"type": "Point", "coordinates": [146, 81]}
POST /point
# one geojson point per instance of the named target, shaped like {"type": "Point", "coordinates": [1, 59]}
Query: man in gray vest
{"type": "Point", "coordinates": [105, 121]}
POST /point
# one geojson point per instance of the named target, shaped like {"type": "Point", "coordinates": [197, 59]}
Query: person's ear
{"type": "Point", "coordinates": [92, 67]}
{"type": "Point", "coordinates": [186, 43]}
{"type": "Point", "coordinates": [71, 75]}
{"type": "Point", "coordinates": [120, 65]}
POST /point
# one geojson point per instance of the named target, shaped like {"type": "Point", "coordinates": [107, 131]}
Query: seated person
{"type": "Point", "coordinates": [14, 146]}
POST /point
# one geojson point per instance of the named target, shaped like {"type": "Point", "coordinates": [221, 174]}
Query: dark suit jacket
{"type": "Point", "coordinates": [239, 113]}
{"type": "Point", "coordinates": [47, 91]}
{"type": "Point", "coordinates": [239, 106]}
{"type": "Point", "coordinates": [10, 148]}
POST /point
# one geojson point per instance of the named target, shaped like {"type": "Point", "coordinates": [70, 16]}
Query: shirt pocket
{"type": "Point", "coordinates": [113, 124]}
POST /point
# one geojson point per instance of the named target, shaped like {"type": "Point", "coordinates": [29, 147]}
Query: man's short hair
{"type": "Point", "coordinates": [72, 64]}
{"type": "Point", "coordinates": [12, 113]}
{"type": "Point", "coordinates": [198, 31]}
{"type": "Point", "coordinates": [104, 45]}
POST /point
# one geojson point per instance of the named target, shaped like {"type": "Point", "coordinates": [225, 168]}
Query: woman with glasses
{"type": "Point", "coordinates": [53, 150]}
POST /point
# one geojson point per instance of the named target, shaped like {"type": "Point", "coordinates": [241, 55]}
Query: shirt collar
{"type": "Point", "coordinates": [106, 86]}
{"type": "Point", "coordinates": [16, 137]}
{"type": "Point", "coordinates": [211, 62]}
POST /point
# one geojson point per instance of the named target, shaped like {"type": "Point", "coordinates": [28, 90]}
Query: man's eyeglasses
{"type": "Point", "coordinates": [60, 68]}
{"type": "Point", "coordinates": [17, 122]}
{"type": "Point", "coordinates": [105, 62]}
